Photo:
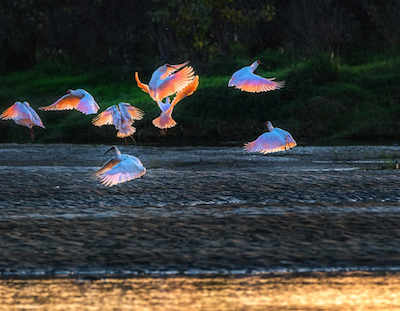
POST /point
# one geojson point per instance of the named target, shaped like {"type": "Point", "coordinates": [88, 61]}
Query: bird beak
{"type": "Point", "coordinates": [107, 151]}
{"type": "Point", "coordinates": [263, 64]}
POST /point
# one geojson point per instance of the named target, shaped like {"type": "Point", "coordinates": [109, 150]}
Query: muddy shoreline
{"type": "Point", "coordinates": [204, 208]}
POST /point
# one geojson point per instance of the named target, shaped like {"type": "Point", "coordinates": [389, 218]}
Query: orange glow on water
{"type": "Point", "coordinates": [360, 291]}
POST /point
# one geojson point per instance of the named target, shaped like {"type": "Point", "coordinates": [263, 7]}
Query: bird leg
{"type": "Point", "coordinates": [32, 136]}
{"type": "Point", "coordinates": [287, 144]}
{"type": "Point", "coordinates": [126, 143]}
{"type": "Point", "coordinates": [134, 141]}
{"type": "Point", "coordinates": [163, 132]}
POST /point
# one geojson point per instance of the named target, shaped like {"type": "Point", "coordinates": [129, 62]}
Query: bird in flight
{"type": "Point", "coordinates": [167, 80]}
{"type": "Point", "coordinates": [79, 99]}
{"type": "Point", "coordinates": [165, 121]}
{"type": "Point", "coordinates": [122, 117]}
{"type": "Point", "coordinates": [24, 115]}
{"type": "Point", "coordinates": [119, 169]}
{"type": "Point", "coordinates": [246, 80]}
{"type": "Point", "coordinates": [273, 141]}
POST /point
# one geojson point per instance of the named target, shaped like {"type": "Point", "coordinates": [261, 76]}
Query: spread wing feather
{"type": "Point", "coordinates": [257, 84]}
{"type": "Point", "coordinates": [107, 117]}
{"type": "Point", "coordinates": [105, 168]}
{"type": "Point", "coordinates": [269, 142]}
{"type": "Point", "coordinates": [66, 102]}
{"type": "Point", "coordinates": [130, 112]}
{"type": "Point", "coordinates": [123, 171]}
{"type": "Point", "coordinates": [185, 92]}
{"type": "Point", "coordinates": [170, 70]}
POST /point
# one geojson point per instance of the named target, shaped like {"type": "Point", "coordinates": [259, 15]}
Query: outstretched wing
{"type": "Point", "coordinates": [87, 104]}
{"type": "Point", "coordinates": [172, 84]}
{"type": "Point", "coordinates": [67, 102]}
{"type": "Point", "coordinates": [185, 92]}
{"type": "Point", "coordinates": [22, 111]}
{"type": "Point", "coordinates": [253, 83]}
{"type": "Point", "coordinates": [172, 68]}
{"type": "Point", "coordinates": [34, 116]}
{"type": "Point", "coordinates": [289, 140]}
{"type": "Point", "coordinates": [107, 117]}
{"type": "Point", "coordinates": [130, 112]}
{"type": "Point", "coordinates": [267, 143]}
{"type": "Point", "coordinates": [127, 169]}
{"type": "Point", "coordinates": [105, 168]}
{"type": "Point", "coordinates": [18, 111]}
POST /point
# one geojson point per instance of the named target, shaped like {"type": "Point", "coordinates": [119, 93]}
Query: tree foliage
{"type": "Point", "coordinates": [127, 33]}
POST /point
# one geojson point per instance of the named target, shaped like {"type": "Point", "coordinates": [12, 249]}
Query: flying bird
{"type": "Point", "coordinates": [273, 141]}
{"type": "Point", "coordinates": [121, 116]}
{"type": "Point", "coordinates": [245, 80]}
{"type": "Point", "coordinates": [165, 121]}
{"type": "Point", "coordinates": [119, 169]}
{"type": "Point", "coordinates": [78, 99]}
{"type": "Point", "coordinates": [23, 114]}
{"type": "Point", "coordinates": [167, 80]}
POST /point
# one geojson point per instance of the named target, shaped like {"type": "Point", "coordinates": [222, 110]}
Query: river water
{"type": "Point", "coordinates": [208, 228]}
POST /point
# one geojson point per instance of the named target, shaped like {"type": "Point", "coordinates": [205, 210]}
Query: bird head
{"type": "Point", "coordinates": [113, 148]}
{"type": "Point", "coordinates": [261, 63]}
{"type": "Point", "coordinates": [255, 64]}
{"type": "Point", "coordinates": [269, 125]}
{"type": "Point", "coordinates": [168, 65]}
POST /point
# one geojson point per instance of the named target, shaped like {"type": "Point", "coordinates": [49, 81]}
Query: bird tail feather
{"type": "Point", "coordinates": [125, 131]}
{"type": "Point", "coordinates": [164, 122]}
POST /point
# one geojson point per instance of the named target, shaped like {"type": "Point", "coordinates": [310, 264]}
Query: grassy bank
{"type": "Point", "coordinates": [321, 99]}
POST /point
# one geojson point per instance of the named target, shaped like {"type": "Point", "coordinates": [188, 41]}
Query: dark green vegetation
{"type": "Point", "coordinates": [319, 100]}
{"type": "Point", "coordinates": [339, 59]}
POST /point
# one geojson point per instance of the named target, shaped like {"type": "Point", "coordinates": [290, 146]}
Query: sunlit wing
{"type": "Point", "coordinates": [106, 117]}
{"type": "Point", "coordinates": [255, 84]}
{"type": "Point", "coordinates": [185, 92]}
{"type": "Point", "coordinates": [290, 142]}
{"type": "Point", "coordinates": [123, 171]}
{"type": "Point", "coordinates": [170, 70]}
{"type": "Point", "coordinates": [174, 83]}
{"type": "Point", "coordinates": [87, 105]}
{"type": "Point", "coordinates": [34, 116]}
{"type": "Point", "coordinates": [267, 143]}
{"type": "Point", "coordinates": [67, 102]}
{"type": "Point", "coordinates": [130, 112]}
{"type": "Point", "coordinates": [144, 87]}
{"type": "Point", "coordinates": [17, 111]}
{"type": "Point", "coordinates": [105, 168]}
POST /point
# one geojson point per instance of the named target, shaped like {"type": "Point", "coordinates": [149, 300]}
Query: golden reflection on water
{"type": "Point", "coordinates": [361, 291]}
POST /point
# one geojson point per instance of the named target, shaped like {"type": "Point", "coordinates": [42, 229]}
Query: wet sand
{"type": "Point", "coordinates": [198, 209]}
